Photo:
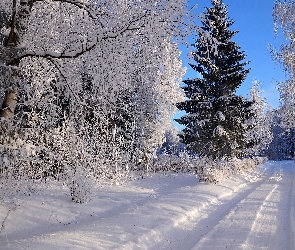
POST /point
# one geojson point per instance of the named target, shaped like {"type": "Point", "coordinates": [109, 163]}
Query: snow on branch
{"type": "Point", "coordinates": [84, 5]}
{"type": "Point", "coordinates": [131, 26]}
{"type": "Point", "coordinates": [51, 54]}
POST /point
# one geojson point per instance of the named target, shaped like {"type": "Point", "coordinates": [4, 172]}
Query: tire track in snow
{"type": "Point", "coordinates": [169, 236]}
{"type": "Point", "coordinates": [263, 225]}
{"type": "Point", "coordinates": [230, 205]}
{"type": "Point", "coordinates": [256, 222]}
{"type": "Point", "coordinates": [147, 198]}
{"type": "Point", "coordinates": [179, 215]}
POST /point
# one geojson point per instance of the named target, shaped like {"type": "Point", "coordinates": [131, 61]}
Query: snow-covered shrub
{"type": "Point", "coordinates": [260, 160]}
{"type": "Point", "coordinates": [205, 168]}
{"type": "Point", "coordinates": [248, 164]}
{"type": "Point", "coordinates": [20, 170]}
{"type": "Point", "coordinates": [208, 170]}
{"type": "Point", "coordinates": [171, 162]}
{"type": "Point", "coordinates": [80, 188]}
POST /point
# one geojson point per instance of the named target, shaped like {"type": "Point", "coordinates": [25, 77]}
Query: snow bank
{"type": "Point", "coordinates": [247, 211]}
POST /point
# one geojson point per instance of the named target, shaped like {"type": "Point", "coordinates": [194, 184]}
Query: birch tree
{"type": "Point", "coordinates": [284, 21]}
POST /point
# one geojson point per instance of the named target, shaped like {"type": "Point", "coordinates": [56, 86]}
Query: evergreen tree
{"type": "Point", "coordinates": [215, 115]}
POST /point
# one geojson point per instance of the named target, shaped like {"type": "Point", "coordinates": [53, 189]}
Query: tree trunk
{"type": "Point", "coordinates": [11, 95]}
{"type": "Point", "coordinates": [9, 104]}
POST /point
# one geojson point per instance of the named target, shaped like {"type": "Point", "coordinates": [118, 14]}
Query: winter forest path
{"type": "Point", "coordinates": [257, 214]}
{"type": "Point", "coordinates": [261, 217]}
{"type": "Point", "coordinates": [255, 210]}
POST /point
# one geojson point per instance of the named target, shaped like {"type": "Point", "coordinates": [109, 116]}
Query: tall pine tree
{"type": "Point", "coordinates": [215, 115]}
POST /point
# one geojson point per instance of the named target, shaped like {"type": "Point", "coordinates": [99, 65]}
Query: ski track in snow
{"type": "Point", "coordinates": [250, 211]}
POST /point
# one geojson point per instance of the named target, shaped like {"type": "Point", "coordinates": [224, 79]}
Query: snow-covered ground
{"type": "Point", "coordinates": [250, 211]}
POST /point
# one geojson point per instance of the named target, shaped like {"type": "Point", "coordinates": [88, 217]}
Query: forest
{"type": "Point", "coordinates": [90, 157]}
{"type": "Point", "coordinates": [88, 91]}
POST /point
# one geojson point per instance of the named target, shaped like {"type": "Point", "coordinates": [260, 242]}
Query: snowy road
{"type": "Point", "coordinates": [251, 211]}
{"type": "Point", "coordinates": [259, 217]}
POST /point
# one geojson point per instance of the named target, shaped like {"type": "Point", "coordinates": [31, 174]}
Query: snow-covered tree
{"type": "Point", "coordinates": [282, 146]}
{"type": "Point", "coordinates": [260, 136]}
{"type": "Point", "coordinates": [172, 144]}
{"type": "Point", "coordinates": [215, 115]}
{"type": "Point", "coordinates": [284, 20]}
{"type": "Point", "coordinates": [83, 81]}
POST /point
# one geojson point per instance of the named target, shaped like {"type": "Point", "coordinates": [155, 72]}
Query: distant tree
{"type": "Point", "coordinates": [172, 144]}
{"type": "Point", "coordinates": [260, 136]}
{"type": "Point", "coordinates": [215, 116]}
{"type": "Point", "coordinates": [284, 20]}
{"type": "Point", "coordinates": [282, 146]}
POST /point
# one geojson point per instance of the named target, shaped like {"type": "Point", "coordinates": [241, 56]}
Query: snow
{"type": "Point", "coordinates": [254, 210]}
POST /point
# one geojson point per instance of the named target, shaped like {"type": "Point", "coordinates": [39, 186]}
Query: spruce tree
{"type": "Point", "coordinates": [215, 115]}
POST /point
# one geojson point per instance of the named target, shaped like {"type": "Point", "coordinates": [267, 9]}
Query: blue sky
{"type": "Point", "coordinates": [253, 19]}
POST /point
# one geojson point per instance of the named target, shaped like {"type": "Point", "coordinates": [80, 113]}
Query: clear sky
{"type": "Point", "coordinates": [253, 19]}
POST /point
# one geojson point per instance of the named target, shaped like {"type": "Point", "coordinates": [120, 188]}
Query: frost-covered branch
{"type": "Point", "coordinates": [96, 87]}
{"type": "Point", "coordinates": [92, 10]}
{"type": "Point", "coordinates": [131, 26]}
{"type": "Point", "coordinates": [284, 21]}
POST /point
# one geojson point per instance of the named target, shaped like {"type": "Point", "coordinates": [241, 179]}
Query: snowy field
{"type": "Point", "coordinates": [251, 211]}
